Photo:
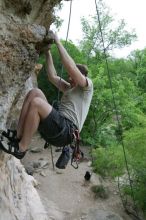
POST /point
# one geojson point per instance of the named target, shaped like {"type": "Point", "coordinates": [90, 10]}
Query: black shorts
{"type": "Point", "coordinates": [56, 129]}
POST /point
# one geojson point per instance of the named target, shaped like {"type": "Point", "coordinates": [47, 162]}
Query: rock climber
{"type": "Point", "coordinates": [56, 127]}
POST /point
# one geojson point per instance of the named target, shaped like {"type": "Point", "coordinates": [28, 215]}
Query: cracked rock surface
{"type": "Point", "coordinates": [23, 25]}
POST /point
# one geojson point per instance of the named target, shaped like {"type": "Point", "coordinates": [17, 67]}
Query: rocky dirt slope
{"type": "Point", "coordinates": [65, 193]}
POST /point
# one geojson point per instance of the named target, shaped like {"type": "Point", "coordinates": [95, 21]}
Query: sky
{"type": "Point", "coordinates": [132, 11]}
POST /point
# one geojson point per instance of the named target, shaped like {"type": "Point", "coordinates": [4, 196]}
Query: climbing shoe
{"type": "Point", "coordinates": [11, 135]}
{"type": "Point", "coordinates": [64, 158]}
{"type": "Point", "coordinates": [12, 148]}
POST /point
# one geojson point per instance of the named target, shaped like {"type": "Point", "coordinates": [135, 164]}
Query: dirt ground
{"type": "Point", "coordinates": [65, 193]}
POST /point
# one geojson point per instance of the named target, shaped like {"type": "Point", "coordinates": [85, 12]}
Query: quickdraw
{"type": "Point", "coordinates": [77, 154]}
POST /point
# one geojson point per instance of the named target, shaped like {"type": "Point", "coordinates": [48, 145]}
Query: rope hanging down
{"type": "Point", "coordinates": [117, 118]}
{"type": "Point", "coordinates": [68, 26]}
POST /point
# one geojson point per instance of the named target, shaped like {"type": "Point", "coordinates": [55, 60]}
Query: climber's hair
{"type": "Point", "coordinates": [83, 69]}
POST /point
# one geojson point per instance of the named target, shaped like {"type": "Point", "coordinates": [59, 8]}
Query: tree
{"type": "Point", "coordinates": [115, 36]}
{"type": "Point", "coordinates": [137, 59]}
{"type": "Point", "coordinates": [102, 110]}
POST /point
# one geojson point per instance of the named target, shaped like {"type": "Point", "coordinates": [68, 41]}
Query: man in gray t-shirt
{"type": "Point", "coordinates": [56, 127]}
{"type": "Point", "coordinates": [75, 103]}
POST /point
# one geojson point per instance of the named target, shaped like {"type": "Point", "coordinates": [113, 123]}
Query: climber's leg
{"type": "Point", "coordinates": [29, 97]}
{"type": "Point", "coordinates": [38, 110]}
{"type": "Point", "coordinates": [12, 135]}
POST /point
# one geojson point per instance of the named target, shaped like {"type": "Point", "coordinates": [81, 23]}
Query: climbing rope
{"type": "Point", "coordinates": [67, 33]}
{"type": "Point", "coordinates": [119, 127]}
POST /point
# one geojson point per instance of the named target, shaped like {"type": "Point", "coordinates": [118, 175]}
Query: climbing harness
{"type": "Point", "coordinates": [71, 151]}
{"type": "Point", "coordinates": [119, 130]}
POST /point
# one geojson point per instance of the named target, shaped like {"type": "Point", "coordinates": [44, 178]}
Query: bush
{"type": "Point", "coordinates": [108, 161]}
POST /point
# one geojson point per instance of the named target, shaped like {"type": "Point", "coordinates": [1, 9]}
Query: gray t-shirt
{"type": "Point", "coordinates": [75, 103]}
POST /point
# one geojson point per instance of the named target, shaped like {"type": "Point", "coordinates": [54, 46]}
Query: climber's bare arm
{"type": "Point", "coordinates": [70, 65]}
{"type": "Point", "coordinates": [60, 83]}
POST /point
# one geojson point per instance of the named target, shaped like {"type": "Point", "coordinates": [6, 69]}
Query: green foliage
{"type": "Point", "coordinates": [108, 161]}
{"type": "Point", "coordinates": [100, 191]}
{"type": "Point", "coordinates": [128, 92]}
{"type": "Point", "coordinates": [115, 35]}
{"type": "Point", "coordinates": [137, 59]}
{"type": "Point", "coordinates": [58, 21]}
{"type": "Point", "coordinates": [122, 92]}
{"type": "Point", "coordinates": [111, 162]}
{"type": "Point", "coordinates": [135, 143]}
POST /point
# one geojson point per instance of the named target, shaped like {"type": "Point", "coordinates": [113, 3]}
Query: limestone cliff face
{"type": "Point", "coordinates": [23, 25]}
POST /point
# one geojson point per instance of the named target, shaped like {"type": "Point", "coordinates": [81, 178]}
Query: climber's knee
{"type": "Point", "coordinates": [36, 93]}
{"type": "Point", "coordinates": [41, 106]}
{"type": "Point", "coordinates": [35, 102]}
